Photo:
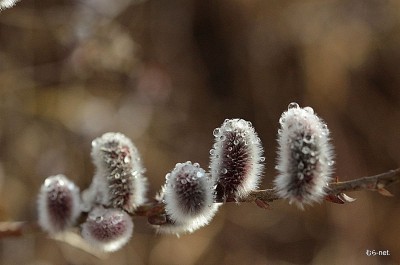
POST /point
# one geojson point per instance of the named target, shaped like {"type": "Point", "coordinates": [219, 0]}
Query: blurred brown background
{"type": "Point", "coordinates": [166, 73]}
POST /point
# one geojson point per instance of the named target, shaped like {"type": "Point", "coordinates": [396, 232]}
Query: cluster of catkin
{"type": "Point", "coordinates": [191, 195]}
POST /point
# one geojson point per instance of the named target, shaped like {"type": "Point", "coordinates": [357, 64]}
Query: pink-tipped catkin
{"type": "Point", "coordinates": [58, 204]}
{"type": "Point", "coordinates": [189, 198]}
{"type": "Point", "coordinates": [236, 160]}
{"type": "Point", "coordinates": [305, 156]}
{"type": "Point", "coordinates": [107, 229]}
{"type": "Point", "coordinates": [119, 180]}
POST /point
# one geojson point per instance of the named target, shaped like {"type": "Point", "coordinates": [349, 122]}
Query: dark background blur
{"type": "Point", "coordinates": [166, 73]}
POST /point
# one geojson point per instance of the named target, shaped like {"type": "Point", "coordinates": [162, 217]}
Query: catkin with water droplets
{"type": "Point", "coordinates": [305, 156]}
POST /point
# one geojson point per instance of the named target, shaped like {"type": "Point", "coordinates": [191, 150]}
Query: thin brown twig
{"type": "Point", "coordinates": [335, 192]}
{"type": "Point", "coordinates": [17, 229]}
{"type": "Point", "coordinates": [373, 183]}
{"type": "Point", "coordinates": [155, 211]}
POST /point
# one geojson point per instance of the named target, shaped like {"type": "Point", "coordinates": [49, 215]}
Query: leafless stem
{"type": "Point", "coordinates": [17, 229]}
{"type": "Point", "coordinates": [374, 183]}
{"type": "Point", "coordinates": [335, 192]}
{"type": "Point", "coordinates": [155, 211]}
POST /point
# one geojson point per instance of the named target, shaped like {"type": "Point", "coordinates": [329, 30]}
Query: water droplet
{"type": "Point", "coordinates": [236, 142]}
{"type": "Point", "coordinates": [293, 105]}
{"type": "Point", "coordinates": [300, 176]}
{"type": "Point", "coordinates": [98, 219]}
{"type": "Point", "coordinates": [47, 184]}
{"type": "Point", "coordinates": [308, 138]}
{"type": "Point", "coordinates": [117, 176]}
{"type": "Point", "coordinates": [331, 163]}
{"type": "Point", "coordinates": [60, 182]}
{"type": "Point", "coordinates": [325, 130]}
{"type": "Point", "coordinates": [230, 148]}
{"type": "Point", "coordinates": [94, 143]}
{"type": "Point", "coordinates": [312, 160]}
{"type": "Point", "coordinates": [52, 196]}
{"type": "Point", "coordinates": [167, 176]}
{"type": "Point", "coordinates": [216, 132]}
{"type": "Point", "coordinates": [282, 120]}
{"type": "Point", "coordinates": [222, 138]}
{"type": "Point", "coordinates": [241, 123]}
{"type": "Point", "coordinates": [262, 159]}
{"type": "Point", "coordinates": [305, 150]}
{"type": "Point", "coordinates": [212, 152]}
{"type": "Point", "coordinates": [224, 171]}
{"type": "Point", "coordinates": [309, 110]}
{"type": "Point", "coordinates": [280, 131]}
{"type": "Point", "coordinates": [196, 165]}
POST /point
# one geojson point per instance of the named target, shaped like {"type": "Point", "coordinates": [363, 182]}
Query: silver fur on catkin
{"type": "Point", "coordinates": [189, 199]}
{"type": "Point", "coordinates": [119, 180]}
{"type": "Point", "coordinates": [58, 204]}
{"type": "Point", "coordinates": [236, 160]}
{"type": "Point", "coordinates": [107, 229]}
{"type": "Point", "coordinates": [305, 156]}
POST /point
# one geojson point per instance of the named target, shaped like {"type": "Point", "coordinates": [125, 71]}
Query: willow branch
{"type": "Point", "coordinates": [335, 193]}
{"type": "Point", "coordinates": [374, 183]}
{"type": "Point", "coordinates": [155, 211]}
{"type": "Point", "coordinates": [17, 229]}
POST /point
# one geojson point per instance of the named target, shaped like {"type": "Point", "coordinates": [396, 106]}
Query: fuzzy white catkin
{"type": "Point", "coordinates": [236, 160]}
{"type": "Point", "coordinates": [7, 4]}
{"type": "Point", "coordinates": [107, 229]}
{"type": "Point", "coordinates": [169, 226]}
{"type": "Point", "coordinates": [58, 204]}
{"type": "Point", "coordinates": [119, 181]}
{"type": "Point", "coordinates": [305, 156]}
{"type": "Point", "coordinates": [189, 198]}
